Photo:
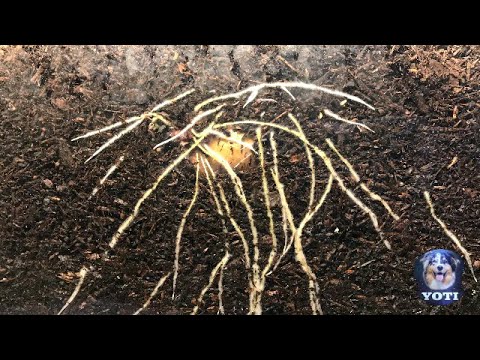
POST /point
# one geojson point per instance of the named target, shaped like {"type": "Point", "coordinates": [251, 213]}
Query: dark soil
{"type": "Point", "coordinates": [427, 114]}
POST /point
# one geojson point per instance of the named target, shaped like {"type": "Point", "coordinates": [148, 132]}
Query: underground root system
{"type": "Point", "coordinates": [211, 157]}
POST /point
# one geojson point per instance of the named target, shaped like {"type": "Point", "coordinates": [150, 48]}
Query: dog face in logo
{"type": "Point", "coordinates": [439, 269]}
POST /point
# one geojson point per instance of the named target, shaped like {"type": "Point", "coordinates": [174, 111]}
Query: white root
{"type": "Point", "coordinates": [255, 307]}
{"type": "Point", "coordinates": [147, 193]}
{"type": "Point", "coordinates": [174, 100]}
{"type": "Point", "coordinates": [221, 309]}
{"type": "Point", "coordinates": [240, 193]}
{"type": "Point", "coordinates": [266, 194]}
{"type": "Point", "coordinates": [115, 138]}
{"type": "Point", "coordinates": [328, 164]}
{"type": "Point", "coordinates": [285, 236]}
{"type": "Point", "coordinates": [378, 198]}
{"type": "Point", "coordinates": [107, 175]}
{"type": "Point", "coordinates": [339, 118]}
{"type": "Point", "coordinates": [83, 274]}
{"type": "Point", "coordinates": [207, 169]}
{"type": "Point", "coordinates": [313, 287]}
{"type": "Point", "coordinates": [235, 225]}
{"type": "Point", "coordinates": [297, 233]}
{"type": "Point", "coordinates": [252, 97]}
{"type": "Point", "coordinates": [311, 163]}
{"type": "Point", "coordinates": [300, 255]}
{"type": "Point", "coordinates": [351, 195]}
{"type": "Point", "coordinates": [451, 235]}
{"type": "Point", "coordinates": [287, 217]}
{"type": "Point", "coordinates": [354, 174]}
{"type": "Point", "coordinates": [106, 128]}
{"type": "Point", "coordinates": [178, 238]}
{"type": "Point", "coordinates": [135, 118]}
{"type": "Point", "coordinates": [363, 186]}
{"type": "Point", "coordinates": [285, 85]}
{"type": "Point", "coordinates": [154, 117]}
{"type": "Point", "coordinates": [213, 274]}
{"type": "Point", "coordinates": [152, 295]}
{"type": "Point", "coordinates": [195, 120]}
{"type": "Point", "coordinates": [288, 92]}
{"type": "Point", "coordinates": [267, 100]}
{"type": "Point", "coordinates": [209, 174]}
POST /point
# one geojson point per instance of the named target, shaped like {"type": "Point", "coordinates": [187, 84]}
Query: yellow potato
{"type": "Point", "coordinates": [238, 156]}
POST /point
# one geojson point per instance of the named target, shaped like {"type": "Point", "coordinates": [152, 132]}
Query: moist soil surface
{"type": "Point", "coordinates": [426, 138]}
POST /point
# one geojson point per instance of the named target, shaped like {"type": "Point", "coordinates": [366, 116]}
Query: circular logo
{"type": "Point", "coordinates": [439, 277]}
